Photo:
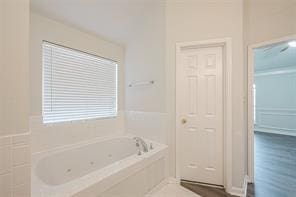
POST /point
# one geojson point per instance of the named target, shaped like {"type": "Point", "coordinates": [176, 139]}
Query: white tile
{"type": "Point", "coordinates": [21, 140]}
{"type": "Point", "coordinates": [5, 185]}
{"type": "Point", "coordinates": [14, 175]}
{"type": "Point", "coordinates": [173, 190]}
{"type": "Point", "coordinates": [22, 191]}
{"type": "Point", "coordinates": [5, 141]}
{"type": "Point", "coordinates": [36, 122]}
{"type": "Point", "coordinates": [20, 155]}
{"type": "Point", "coordinates": [5, 159]}
{"type": "Point", "coordinates": [21, 175]}
{"type": "Point", "coordinates": [151, 125]}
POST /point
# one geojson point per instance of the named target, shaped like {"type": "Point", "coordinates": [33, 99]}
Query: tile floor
{"type": "Point", "coordinates": [173, 190]}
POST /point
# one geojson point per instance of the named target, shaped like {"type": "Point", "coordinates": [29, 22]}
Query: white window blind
{"type": "Point", "coordinates": [77, 85]}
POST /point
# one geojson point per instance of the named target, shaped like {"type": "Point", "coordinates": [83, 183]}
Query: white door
{"type": "Point", "coordinates": [199, 114]}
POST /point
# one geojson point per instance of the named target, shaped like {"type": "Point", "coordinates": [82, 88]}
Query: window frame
{"type": "Point", "coordinates": [89, 54]}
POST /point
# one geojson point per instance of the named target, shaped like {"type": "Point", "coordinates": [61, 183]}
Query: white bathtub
{"type": "Point", "coordinates": [92, 168]}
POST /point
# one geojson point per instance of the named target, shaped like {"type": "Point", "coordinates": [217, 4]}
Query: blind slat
{"type": "Point", "coordinates": [77, 85]}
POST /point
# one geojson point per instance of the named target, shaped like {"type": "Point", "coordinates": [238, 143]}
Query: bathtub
{"type": "Point", "coordinates": [98, 168]}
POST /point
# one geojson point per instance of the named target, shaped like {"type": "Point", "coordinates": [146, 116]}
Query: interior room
{"type": "Point", "coordinates": [274, 119]}
{"type": "Point", "coordinates": [147, 98]}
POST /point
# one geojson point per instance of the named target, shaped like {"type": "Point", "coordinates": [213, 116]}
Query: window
{"type": "Point", "coordinates": [77, 85]}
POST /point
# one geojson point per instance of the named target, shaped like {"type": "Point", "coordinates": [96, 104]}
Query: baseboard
{"type": "Point", "coordinates": [242, 192]}
{"type": "Point", "coordinates": [274, 131]}
{"type": "Point", "coordinates": [236, 191]}
{"type": "Point", "coordinates": [173, 180]}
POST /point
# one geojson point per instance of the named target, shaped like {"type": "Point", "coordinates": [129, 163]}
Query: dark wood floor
{"type": "Point", "coordinates": [205, 191]}
{"type": "Point", "coordinates": [275, 166]}
{"type": "Point", "coordinates": [275, 169]}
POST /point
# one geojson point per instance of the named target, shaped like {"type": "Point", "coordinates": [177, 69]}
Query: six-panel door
{"type": "Point", "coordinates": [200, 106]}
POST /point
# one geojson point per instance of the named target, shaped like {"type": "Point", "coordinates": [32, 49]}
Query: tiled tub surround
{"type": "Point", "coordinates": [15, 166]}
{"type": "Point", "coordinates": [152, 125]}
{"type": "Point", "coordinates": [50, 136]}
{"type": "Point", "coordinates": [98, 167]}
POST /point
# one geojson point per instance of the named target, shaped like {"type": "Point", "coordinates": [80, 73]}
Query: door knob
{"type": "Point", "coordinates": [183, 121]}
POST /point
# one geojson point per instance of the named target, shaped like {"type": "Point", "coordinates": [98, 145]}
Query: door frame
{"type": "Point", "coordinates": [226, 44]}
{"type": "Point", "coordinates": [250, 112]}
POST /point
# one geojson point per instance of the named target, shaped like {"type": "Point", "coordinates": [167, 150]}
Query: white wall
{"type": "Point", "coordinates": [15, 59]}
{"type": "Point", "coordinates": [54, 135]}
{"type": "Point", "coordinates": [14, 99]}
{"type": "Point", "coordinates": [145, 61]}
{"type": "Point", "coordinates": [276, 101]}
{"type": "Point", "coordinates": [1, 65]}
{"type": "Point", "coordinates": [269, 19]}
{"type": "Point", "coordinates": [202, 20]}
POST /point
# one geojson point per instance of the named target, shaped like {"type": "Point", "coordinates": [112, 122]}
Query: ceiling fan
{"type": "Point", "coordinates": [280, 46]}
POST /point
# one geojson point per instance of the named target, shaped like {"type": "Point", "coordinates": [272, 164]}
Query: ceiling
{"type": "Point", "coordinates": [120, 20]}
{"type": "Point", "coordinates": [114, 20]}
{"type": "Point", "coordinates": [271, 57]}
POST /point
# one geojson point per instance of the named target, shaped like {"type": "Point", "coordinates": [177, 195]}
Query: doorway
{"type": "Point", "coordinates": [272, 117]}
{"type": "Point", "coordinates": [203, 112]}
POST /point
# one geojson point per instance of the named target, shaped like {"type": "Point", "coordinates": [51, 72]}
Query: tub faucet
{"type": "Point", "coordinates": [142, 142]}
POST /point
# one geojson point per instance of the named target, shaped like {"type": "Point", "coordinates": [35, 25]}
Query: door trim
{"type": "Point", "coordinates": [250, 98]}
{"type": "Point", "coordinates": [226, 44]}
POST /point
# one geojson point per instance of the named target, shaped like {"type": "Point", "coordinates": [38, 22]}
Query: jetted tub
{"type": "Point", "coordinates": [91, 168]}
